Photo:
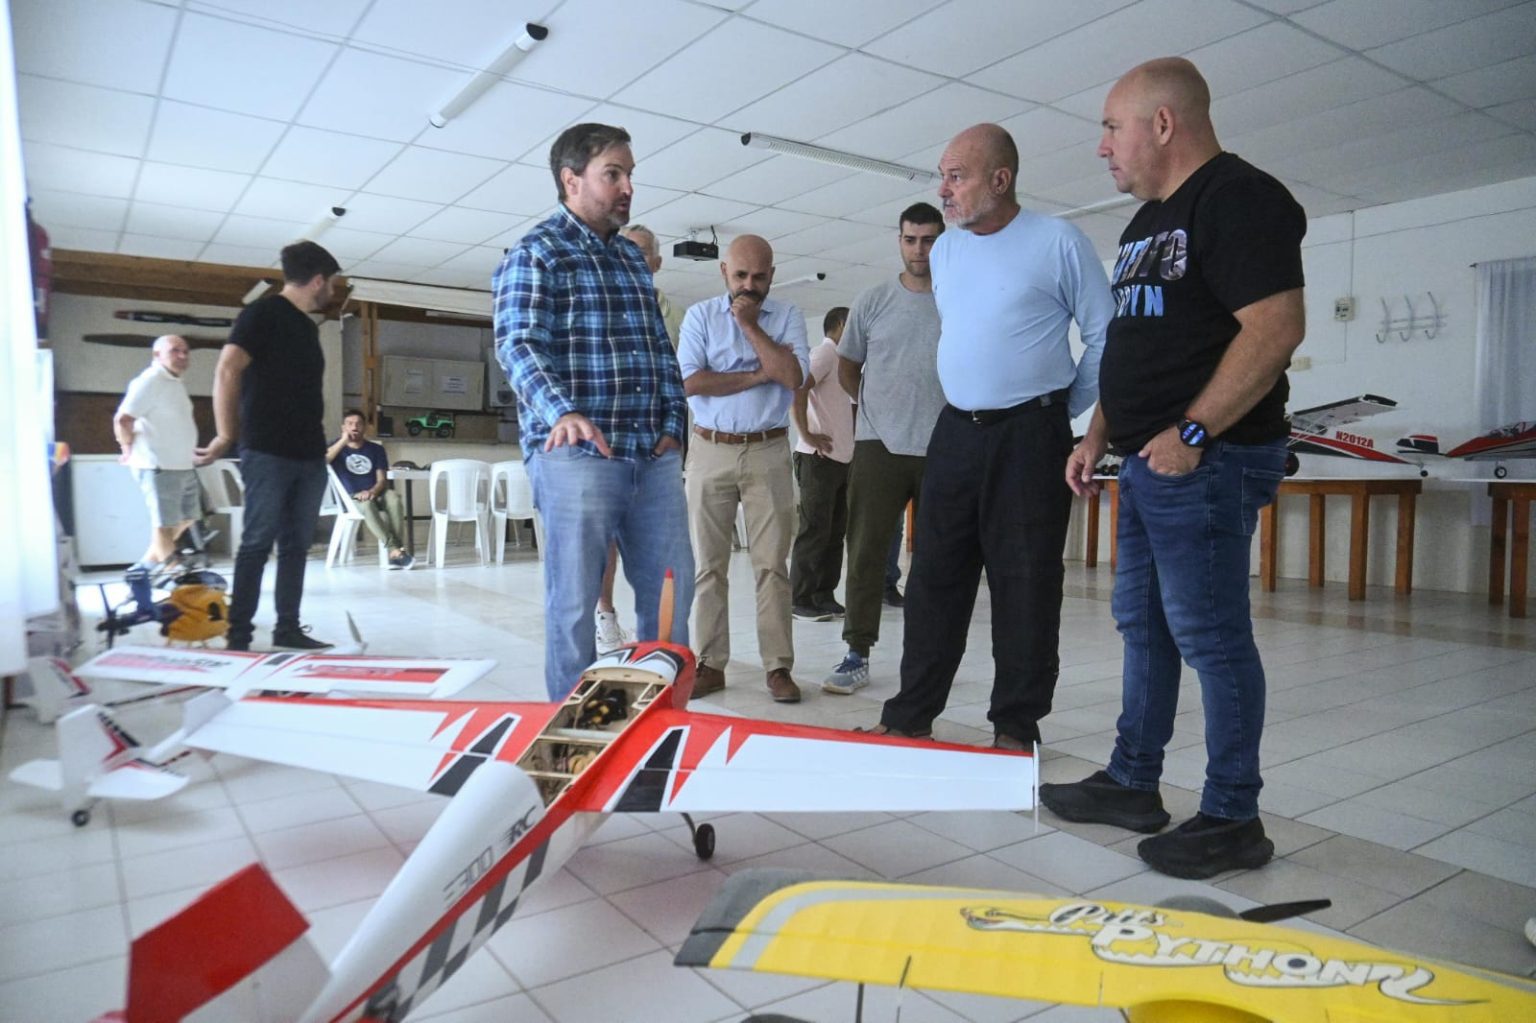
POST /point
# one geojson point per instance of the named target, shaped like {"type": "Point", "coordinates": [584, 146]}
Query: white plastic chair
{"type": "Point", "coordinates": [512, 499]}
{"type": "Point", "coordinates": [349, 519]}
{"type": "Point", "coordinates": [226, 496]}
{"type": "Point", "coordinates": [459, 490]}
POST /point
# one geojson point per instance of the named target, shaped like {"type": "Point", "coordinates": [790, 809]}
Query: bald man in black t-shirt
{"type": "Point", "coordinates": [1208, 296]}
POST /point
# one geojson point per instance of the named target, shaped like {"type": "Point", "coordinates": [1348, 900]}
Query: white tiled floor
{"type": "Point", "coordinates": [1400, 762]}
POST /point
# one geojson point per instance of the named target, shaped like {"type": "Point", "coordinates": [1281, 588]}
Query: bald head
{"type": "Point", "coordinates": [748, 267]}
{"type": "Point", "coordinates": [979, 171]}
{"type": "Point", "coordinates": [171, 353]}
{"type": "Point", "coordinates": [646, 239]}
{"type": "Point", "coordinates": [1157, 127]}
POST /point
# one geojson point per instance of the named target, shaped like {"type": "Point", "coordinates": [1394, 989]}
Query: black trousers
{"type": "Point", "coordinates": [816, 559]}
{"type": "Point", "coordinates": [995, 498]}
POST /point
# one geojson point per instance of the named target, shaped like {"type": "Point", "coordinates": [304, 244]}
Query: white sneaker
{"type": "Point", "coordinates": [610, 634]}
{"type": "Point", "coordinates": [848, 677]}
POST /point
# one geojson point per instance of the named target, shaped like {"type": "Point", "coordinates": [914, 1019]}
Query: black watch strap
{"type": "Point", "coordinates": [1193, 434]}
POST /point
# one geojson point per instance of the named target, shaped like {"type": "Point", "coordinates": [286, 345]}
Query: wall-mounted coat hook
{"type": "Point", "coordinates": [1415, 321]}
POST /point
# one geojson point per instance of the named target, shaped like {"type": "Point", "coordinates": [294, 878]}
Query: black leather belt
{"type": "Point", "coordinates": [988, 416]}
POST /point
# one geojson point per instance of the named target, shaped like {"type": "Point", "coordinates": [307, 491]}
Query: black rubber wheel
{"type": "Point", "coordinates": [1499, 472]}
{"type": "Point", "coordinates": [414, 429]}
{"type": "Point", "coordinates": [1292, 463]}
{"type": "Point", "coordinates": [80, 818]}
{"type": "Point", "coordinates": [704, 841]}
{"type": "Point", "coordinates": [445, 431]}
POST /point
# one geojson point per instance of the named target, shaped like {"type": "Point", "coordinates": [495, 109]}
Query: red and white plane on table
{"type": "Point", "coordinates": [529, 781]}
{"type": "Point", "coordinates": [1316, 431]}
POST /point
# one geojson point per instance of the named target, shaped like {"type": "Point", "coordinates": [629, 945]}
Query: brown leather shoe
{"type": "Point", "coordinates": [706, 680]}
{"type": "Point", "coordinates": [781, 687]}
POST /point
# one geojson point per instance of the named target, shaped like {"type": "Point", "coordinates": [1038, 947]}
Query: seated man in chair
{"type": "Point", "coordinates": [362, 467]}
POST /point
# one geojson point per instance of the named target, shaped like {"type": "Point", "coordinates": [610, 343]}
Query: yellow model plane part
{"type": "Point", "coordinates": [1157, 964]}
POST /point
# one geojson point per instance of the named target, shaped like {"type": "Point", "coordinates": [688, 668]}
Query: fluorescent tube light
{"type": "Point", "coordinates": [476, 86]}
{"type": "Point", "coordinates": [838, 158]}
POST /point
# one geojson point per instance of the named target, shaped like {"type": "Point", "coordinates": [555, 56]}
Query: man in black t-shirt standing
{"type": "Point", "coordinates": [267, 394]}
{"type": "Point", "coordinates": [1208, 295]}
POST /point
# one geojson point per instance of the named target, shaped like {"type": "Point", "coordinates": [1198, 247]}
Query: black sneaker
{"type": "Point", "coordinates": [812, 614]}
{"type": "Point", "coordinates": [231, 643]}
{"type": "Point", "coordinates": [1099, 799]}
{"type": "Point", "coordinates": [832, 608]}
{"type": "Point", "coordinates": [893, 597]}
{"type": "Point", "coordinates": [298, 639]}
{"type": "Point", "coordinates": [1204, 846]}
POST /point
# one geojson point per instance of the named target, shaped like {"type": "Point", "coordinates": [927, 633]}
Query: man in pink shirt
{"type": "Point", "coordinates": [823, 417]}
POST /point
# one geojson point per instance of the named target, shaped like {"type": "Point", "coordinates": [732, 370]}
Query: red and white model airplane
{"type": "Point", "coordinates": [1315, 431]}
{"type": "Point", "coordinates": [529, 781]}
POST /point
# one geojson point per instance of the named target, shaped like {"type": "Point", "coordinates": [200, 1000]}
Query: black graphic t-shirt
{"type": "Point", "coordinates": [358, 468]}
{"type": "Point", "coordinates": [282, 400]}
{"type": "Point", "coordinates": [1228, 237]}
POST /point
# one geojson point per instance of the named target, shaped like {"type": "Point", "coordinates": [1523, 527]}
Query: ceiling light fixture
{"type": "Point", "coordinates": [476, 86]}
{"type": "Point", "coordinates": [807, 279]}
{"type": "Point", "coordinates": [324, 224]}
{"type": "Point", "coordinates": [838, 158]}
{"type": "Point", "coordinates": [258, 289]}
{"type": "Point", "coordinates": [1097, 207]}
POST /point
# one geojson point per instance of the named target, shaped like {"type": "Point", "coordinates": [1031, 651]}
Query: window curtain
{"type": "Point", "coordinates": [29, 582]}
{"type": "Point", "coordinates": [1506, 342]}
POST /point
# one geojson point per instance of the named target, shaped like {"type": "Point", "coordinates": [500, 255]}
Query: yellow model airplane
{"type": "Point", "coordinates": [1156, 964]}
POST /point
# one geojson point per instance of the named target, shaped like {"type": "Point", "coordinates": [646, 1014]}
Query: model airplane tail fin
{"type": "Point", "coordinates": [91, 745]}
{"type": "Point", "coordinates": [238, 952]}
{"type": "Point", "coordinates": [53, 688]}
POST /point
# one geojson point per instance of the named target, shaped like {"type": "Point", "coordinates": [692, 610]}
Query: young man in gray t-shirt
{"type": "Point", "coordinates": [888, 363]}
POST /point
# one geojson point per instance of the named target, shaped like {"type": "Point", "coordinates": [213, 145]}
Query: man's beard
{"type": "Point", "coordinates": [754, 296]}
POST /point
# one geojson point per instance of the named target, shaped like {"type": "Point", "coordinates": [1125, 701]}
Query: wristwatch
{"type": "Point", "coordinates": [1193, 434]}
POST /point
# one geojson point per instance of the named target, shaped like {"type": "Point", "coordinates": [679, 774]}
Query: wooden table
{"type": "Point", "coordinates": [1359, 491]}
{"type": "Point", "coordinates": [1091, 527]}
{"type": "Point", "coordinates": [1505, 493]}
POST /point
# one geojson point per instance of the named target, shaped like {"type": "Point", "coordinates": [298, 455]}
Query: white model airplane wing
{"type": "Point", "coordinates": [690, 762]}
{"type": "Point", "coordinates": [137, 779]}
{"type": "Point", "coordinates": [429, 746]}
{"type": "Point", "coordinates": [1322, 418]}
{"type": "Point", "coordinates": [242, 671]}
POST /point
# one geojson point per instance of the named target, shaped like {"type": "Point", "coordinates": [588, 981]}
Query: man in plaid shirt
{"type": "Point", "coordinates": [600, 401]}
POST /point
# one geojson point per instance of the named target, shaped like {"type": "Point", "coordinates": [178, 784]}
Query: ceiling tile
{"type": "Point", "coordinates": [345, 243]}
{"type": "Point", "coordinates": [97, 42]}
{"type": "Point", "coordinates": [649, 133]}
{"type": "Point", "coordinates": [200, 189]}
{"type": "Point", "coordinates": [649, 198]}
{"type": "Point", "coordinates": [518, 189]}
{"type": "Point", "coordinates": [1362, 24]}
{"type": "Point", "coordinates": [182, 132]}
{"type": "Point", "coordinates": [703, 157]}
{"type": "Point", "coordinates": [173, 221]}
{"type": "Point", "coordinates": [377, 96]}
{"type": "Point", "coordinates": [691, 211]}
{"type": "Point", "coordinates": [829, 234]}
{"type": "Point", "coordinates": [966, 35]}
{"type": "Point", "coordinates": [417, 251]}
{"type": "Point", "coordinates": [75, 170]}
{"type": "Point", "coordinates": [633, 38]}
{"type": "Point", "coordinates": [1499, 83]}
{"type": "Point", "coordinates": [1039, 173]}
{"type": "Point", "coordinates": [1414, 139]}
{"type": "Point", "coordinates": [876, 251]}
{"type": "Point", "coordinates": [478, 259]}
{"type": "Point", "coordinates": [775, 180]}
{"type": "Point", "coordinates": [1427, 174]}
{"type": "Point", "coordinates": [257, 232]}
{"type": "Point", "coordinates": [332, 19]}
{"type": "Point", "coordinates": [1102, 51]}
{"type": "Point", "coordinates": [83, 116]}
{"type": "Point", "coordinates": [468, 33]}
{"type": "Point", "coordinates": [1301, 94]}
{"type": "Point", "coordinates": [854, 193]}
{"type": "Point", "coordinates": [1094, 186]}
{"type": "Point", "coordinates": [328, 158]}
{"type": "Point", "coordinates": [1044, 130]}
{"type": "Point", "coordinates": [842, 93]}
{"type": "Point", "coordinates": [923, 120]}
{"type": "Point", "coordinates": [445, 278]}
{"type": "Point", "coordinates": [285, 200]}
{"type": "Point", "coordinates": [770, 222]}
{"type": "Point", "coordinates": [159, 248]}
{"type": "Point", "coordinates": [468, 227]}
{"type": "Point", "coordinates": [1257, 56]}
{"type": "Point", "coordinates": [1285, 6]}
{"type": "Point", "coordinates": [241, 255]}
{"type": "Point", "coordinates": [845, 24]}
{"type": "Point", "coordinates": [85, 239]}
{"type": "Point", "coordinates": [886, 214]}
{"type": "Point", "coordinates": [1344, 124]}
{"type": "Point", "coordinates": [432, 175]}
{"type": "Point", "coordinates": [506, 122]}
{"type": "Point", "coordinates": [367, 212]}
{"type": "Point", "coordinates": [1470, 44]}
{"type": "Point", "coordinates": [761, 59]}
{"type": "Point", "coordinates": [229, 65]}
{"type": "Point", "coordinates": [69, 209]}
{"type": "Point", "coordinates": [383, 270]}
{"type": "Point", "coordinates": [511, 237]}
{"type": "Point", "coordinates": [1521, 114]}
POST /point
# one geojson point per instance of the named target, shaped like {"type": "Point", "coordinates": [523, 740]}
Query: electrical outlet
{"type": "Point", "coordinates": [1344, 309]}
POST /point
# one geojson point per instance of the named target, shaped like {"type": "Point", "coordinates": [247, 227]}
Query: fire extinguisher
{"type": "Point", "coordinates": [42, 271]}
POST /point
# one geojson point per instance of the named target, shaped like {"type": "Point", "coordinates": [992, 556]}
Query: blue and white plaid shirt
{"type": "Point", "coordinates": [578, 329]}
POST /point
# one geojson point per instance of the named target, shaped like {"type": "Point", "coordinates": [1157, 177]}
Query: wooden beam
{"type": "Point", "coordinates": [369, 315]}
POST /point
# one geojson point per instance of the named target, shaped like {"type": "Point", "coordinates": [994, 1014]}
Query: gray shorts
{"type": "Point", "coordinates": [172, 495]}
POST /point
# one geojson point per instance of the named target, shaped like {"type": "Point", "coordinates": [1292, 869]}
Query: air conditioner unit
{"type": "Point", "coordinates": [498, 391]}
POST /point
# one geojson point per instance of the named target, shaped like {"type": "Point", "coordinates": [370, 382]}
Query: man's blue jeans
{"type": "Point", "coordinates": [1181, 592]}
{"type": "Point", "coordinates": [587, 501]}
{"type": "Point", "coordinates": [282, 505]}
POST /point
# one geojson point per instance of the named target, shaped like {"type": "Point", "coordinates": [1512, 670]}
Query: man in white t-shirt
{"type": "Point", "coordinates": [156, 432]}
{"type": "Point", "coordinates": [823, 416]}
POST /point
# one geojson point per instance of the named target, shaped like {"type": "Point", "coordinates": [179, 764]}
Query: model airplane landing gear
{"type": "Point", "coordinates": [80, 818]}
{"type": "Point", "coordinates": [703, 838]}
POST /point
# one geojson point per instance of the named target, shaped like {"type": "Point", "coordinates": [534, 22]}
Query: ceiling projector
{"type": "Point", "coordinates": [696, 250]}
